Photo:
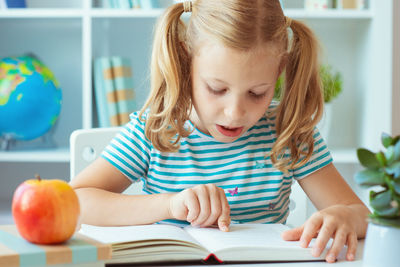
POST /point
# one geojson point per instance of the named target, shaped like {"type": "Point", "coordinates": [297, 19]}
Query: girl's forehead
{"type": "Point", "coordinates": [215, 51]}
{"type": "Point", "coordinates": [268, 49]}
{"type": "Point", "coordinates": [259, 64]}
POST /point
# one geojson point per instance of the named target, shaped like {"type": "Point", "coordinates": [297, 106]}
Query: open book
{"type": "Point", "coordinates": [166, 243]}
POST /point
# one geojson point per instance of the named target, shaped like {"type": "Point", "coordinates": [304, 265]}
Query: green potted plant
{"type": "Point", "coordinates": [382, 172]}
{"type": "Point", "coordinates": [332, 84]}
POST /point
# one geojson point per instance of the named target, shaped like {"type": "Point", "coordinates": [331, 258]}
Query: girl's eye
{"type": "Point", "coordinates": [257, 96]}
{"type": "Point", "coordinates": [216, 91]}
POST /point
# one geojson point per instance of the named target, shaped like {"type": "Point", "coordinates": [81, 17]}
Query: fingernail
{"type": "Point", "coordinates": [351, 257]}
{"type": "Point", "coordinates": [316, 251]}
{"type": "Point", "coordinates": [224, 228]}
{"type": "Point", "coordinates": [330, 258]}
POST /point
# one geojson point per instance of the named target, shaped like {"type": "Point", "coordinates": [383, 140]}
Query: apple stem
{"type": "Point", "coordinates": [37, 176]}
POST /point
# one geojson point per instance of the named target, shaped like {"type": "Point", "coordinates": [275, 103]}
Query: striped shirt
{"type": "Point", "coordinates": [257, 192]}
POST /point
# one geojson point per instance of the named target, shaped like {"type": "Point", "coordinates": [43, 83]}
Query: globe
{"type": "Point", "coordinates": [30, 98]}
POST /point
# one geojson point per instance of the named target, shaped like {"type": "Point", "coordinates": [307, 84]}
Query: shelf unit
{"type": "Point", "coordinates": [67, 35]}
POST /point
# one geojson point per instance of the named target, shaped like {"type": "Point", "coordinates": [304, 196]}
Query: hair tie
{"type": "Point", "coordinates": [288, 21]}
{"type": "Point", "coordinates": [187, 6]}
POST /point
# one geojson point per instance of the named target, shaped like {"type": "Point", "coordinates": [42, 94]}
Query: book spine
{"type": "Point", "coordinates": [16, 251]}
{"type": "Point", "coordinates": [100, 94]}
{"type": "Point", "coordinates": [106, 4]}
{"type": "Point", "coordinates": [123, 84]}
{"type": "Point", "coordinates": [108, 77]}
{"type": "Point", "coordinates": [147, 4]}
{"type": "Point", "coordinates": [135, 4]}
{"type": "Point", "coordinates": [16, 3]}
{"type": "Point", "coordinates": [124, 4]}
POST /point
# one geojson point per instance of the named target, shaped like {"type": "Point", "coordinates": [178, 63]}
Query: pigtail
{"type": "Point", "coordinates": [169, 101]}
{"type": "Point", "coordinates": [301, 104]}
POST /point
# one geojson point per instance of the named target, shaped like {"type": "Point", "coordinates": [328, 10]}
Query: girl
{"type": "Point", "coordinates": [211, 145]}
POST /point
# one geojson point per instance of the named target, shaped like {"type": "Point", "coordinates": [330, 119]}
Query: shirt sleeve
{"type": "Point", "coordinates": [129, 150]}
{"type": "Point", "coordinates": [319, 158]}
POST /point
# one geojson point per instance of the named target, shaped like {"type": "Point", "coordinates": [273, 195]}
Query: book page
{"type": "Point", "coordinates": [131, 234]}
{"type": "Point", "coordinates": [147, 243]}
{"type": "Point", "coordinates": [251, 242]}
{"type": "Point", "coordinates": [241, 235]}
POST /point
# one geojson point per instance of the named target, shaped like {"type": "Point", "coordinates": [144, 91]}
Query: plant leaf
{"type": "Point", "coordinates": [389, 154]}
{"type": "Point", "coordinates": [386, 140]}
{"type": "Point", "coordinates": [380, 201]}
{"type": "Point", "coordinates": [369, 177]}
{"type": "Point", "coordinates": [388, 212]}
{"type": "Point", "coordinates": [367, 158]}
{"type": "Point", "coordinates": [396, 186]}
{"type": "Point", "coordinates": [394, 169]}
{"type": "Point", "coordinates": [397, 151]}
{"type": "Point", "coordinates": [381, 158]}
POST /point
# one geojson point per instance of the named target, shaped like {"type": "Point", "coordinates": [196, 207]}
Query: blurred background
{"type": "Point", "coordinates": [76, 40]}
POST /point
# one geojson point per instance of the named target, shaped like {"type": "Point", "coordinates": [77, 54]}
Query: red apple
{"type": "Point", "coordinates": [45, 211]}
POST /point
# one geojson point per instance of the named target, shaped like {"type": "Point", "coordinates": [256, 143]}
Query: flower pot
{"type": "Point", "coordinates": [381, 246]}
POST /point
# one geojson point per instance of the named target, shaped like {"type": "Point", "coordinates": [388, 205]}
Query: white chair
{"type": "Point", "coordinates": [87, 144]}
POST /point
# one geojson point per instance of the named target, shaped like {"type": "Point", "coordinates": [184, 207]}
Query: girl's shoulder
{"type": "Point", "coordinates": [134, 118]}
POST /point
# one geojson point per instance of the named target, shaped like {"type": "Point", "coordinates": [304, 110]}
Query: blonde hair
{"type": "Point", "coordinates": [242, 25]}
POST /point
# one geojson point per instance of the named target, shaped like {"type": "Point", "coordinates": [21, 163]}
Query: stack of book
{"type": "Point", "coordinates": [80, 250]}
{"type": "Point", "coordinates": [128, 4]}
{"type": "Point", "coordinates": [336, 4]}
{"type": "Point", "coordinates": [113, 88]}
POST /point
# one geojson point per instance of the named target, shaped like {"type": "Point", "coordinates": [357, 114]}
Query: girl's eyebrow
{"type": "Point", "coordinates": [252, 87]}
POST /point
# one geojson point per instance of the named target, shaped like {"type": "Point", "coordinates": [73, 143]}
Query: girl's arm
{"type": "Point", "coordinates": [99, 189]}
{"type": "Point", "coordinates": [341, 215]}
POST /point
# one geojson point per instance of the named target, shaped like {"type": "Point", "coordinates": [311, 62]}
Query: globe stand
{"type": "Point", "coordinates": [8, 143]}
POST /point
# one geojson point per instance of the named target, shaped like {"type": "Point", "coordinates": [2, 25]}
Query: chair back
{"type": "Point", "coordinates": [87, 144]}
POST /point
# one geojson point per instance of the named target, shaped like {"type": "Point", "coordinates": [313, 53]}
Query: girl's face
{"type": "Point", "coordinates": [232, 89]}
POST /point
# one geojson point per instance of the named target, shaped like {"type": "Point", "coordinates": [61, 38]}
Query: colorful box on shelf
{"type": "Point", "coordinates": [16, 251]}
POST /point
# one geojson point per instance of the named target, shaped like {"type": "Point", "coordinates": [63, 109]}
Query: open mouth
{"type": "Point", "coordinates": [229, 131]}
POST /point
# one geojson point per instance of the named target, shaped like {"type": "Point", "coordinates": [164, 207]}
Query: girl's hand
{"type": "Point", "coordinates": [338, 222]}
{"type": "Point", "coordinates": [202, 205]}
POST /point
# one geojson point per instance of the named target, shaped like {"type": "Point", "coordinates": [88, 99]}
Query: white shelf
{"type": "Point", "coordinates": [53, 13]}
{"type": "Point", "coordinates": [329, 14]}
{"type": "Point", "coordinates": [125, 13]}
{"type": "Point", "coordinates": [344, 156]}
{"type": "Point", "coordinates": [5, 212]}
{"type": "Point", "coordinates": [43, 155]}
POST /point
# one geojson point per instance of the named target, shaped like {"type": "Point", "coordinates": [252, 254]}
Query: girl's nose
{"type": "Point", "coordinates": [235, 110]}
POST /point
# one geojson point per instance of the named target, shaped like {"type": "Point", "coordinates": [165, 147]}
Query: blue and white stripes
{"type": "Point", "coordinates": [263, 191]}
